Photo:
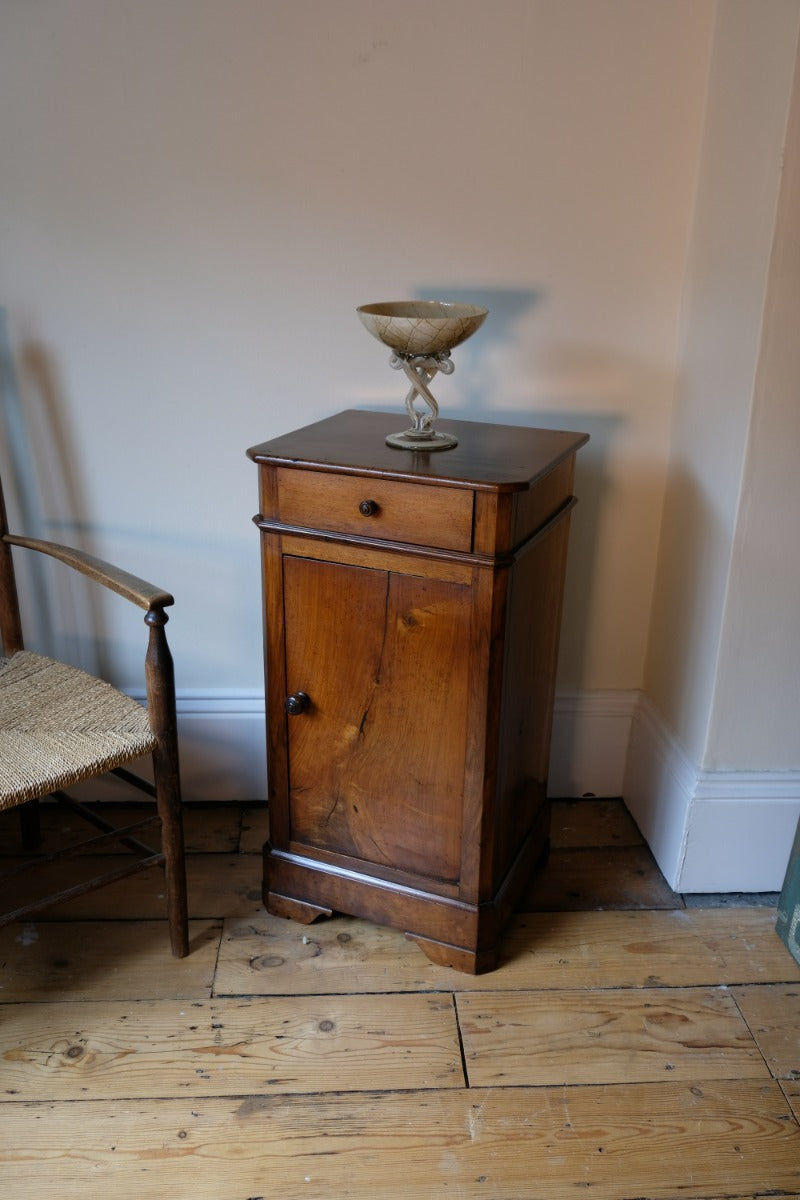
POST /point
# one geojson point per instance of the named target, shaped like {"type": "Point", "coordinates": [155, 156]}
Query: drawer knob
{"type": "Point", "coordinates": [297, 703]}
{"type": "Point", "coordinates": [368, 508]}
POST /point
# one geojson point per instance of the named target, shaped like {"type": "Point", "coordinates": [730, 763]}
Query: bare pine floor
{"type": "Point", "coordinates": [632, 1044]}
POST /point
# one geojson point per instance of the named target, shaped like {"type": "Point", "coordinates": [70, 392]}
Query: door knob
{"type": "Point", "coordinates": [297, 703]}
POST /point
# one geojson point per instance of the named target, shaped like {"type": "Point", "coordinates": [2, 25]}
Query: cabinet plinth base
{"type": "Point", "coordinates": [461, 958]}
{"type": "Point", "coordinates": [450, 932]}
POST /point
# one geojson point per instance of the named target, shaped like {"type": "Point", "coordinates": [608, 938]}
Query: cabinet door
{"type": "Point", "coordinates": [376, 762]}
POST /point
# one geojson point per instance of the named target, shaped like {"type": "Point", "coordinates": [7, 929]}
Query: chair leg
{"type": "Point", "coordinates": [29, 825]}
{"type": "Point", "coordinates": [172, 844]}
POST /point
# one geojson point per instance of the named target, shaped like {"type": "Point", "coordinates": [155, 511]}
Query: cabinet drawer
{"type": "Point", "coordinates": [376, 508]}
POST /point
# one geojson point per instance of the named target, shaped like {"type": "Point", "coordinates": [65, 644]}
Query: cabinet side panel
{"type": "Point", "coordinates": [531, 655]}
{"type": "Point", "coordinates": [532, 509]}
{"type": "Point", "coordinates": [490, 590]}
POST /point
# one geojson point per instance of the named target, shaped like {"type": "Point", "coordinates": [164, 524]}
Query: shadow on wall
{"type": "Point", "coordinates": [48, 496]}
{"type": "Point", "coordinates": [22, 496]}
{"type": "Point", "coordinates": [507, 309]}
{"type": "Point", "coordinates": [477, 389]}
{"type": "Point", "coordinates": [41, 483]}
{"type": "Point", "coordinates": [475, 381]}
{"type": "Point", "coordinates": [38, 481]}
{"type": "Point", "coordinates": [689, 598]}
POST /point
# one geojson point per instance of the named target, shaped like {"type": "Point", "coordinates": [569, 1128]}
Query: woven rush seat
{"type": "Point", "coordinates": [69, 724]}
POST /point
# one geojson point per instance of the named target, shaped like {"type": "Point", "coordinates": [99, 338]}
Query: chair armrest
{"type": "Point", "coordinates": [139, 591]}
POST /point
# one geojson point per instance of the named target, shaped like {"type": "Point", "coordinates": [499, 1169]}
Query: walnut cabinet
{"type": "Point", "coordinates": [411, 615]}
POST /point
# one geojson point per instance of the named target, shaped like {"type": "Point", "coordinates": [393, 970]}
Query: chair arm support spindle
{"type": "Point", "coordinates": [160, 678]}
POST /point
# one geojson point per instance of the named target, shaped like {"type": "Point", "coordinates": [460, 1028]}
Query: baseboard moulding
{"type": "Point", "coordinates": [709, 831]}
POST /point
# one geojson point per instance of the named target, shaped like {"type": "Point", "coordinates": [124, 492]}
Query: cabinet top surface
{"type": "Point", "coordinates": [504, 457]}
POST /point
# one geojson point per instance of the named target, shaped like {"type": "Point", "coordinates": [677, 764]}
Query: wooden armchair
{"type": "Point", "coordinates": [59, 726]}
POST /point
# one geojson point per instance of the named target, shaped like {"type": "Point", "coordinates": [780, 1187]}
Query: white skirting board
{"type": "Point", "coordinates": [589, 744]}
{"type": "Point", "coordinates": [223, 745]}
{"type": "Point", "coordinates": [710, 831]}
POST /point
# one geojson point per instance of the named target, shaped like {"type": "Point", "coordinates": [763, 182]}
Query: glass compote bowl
{"type": "Point", "coordinates": [421, 334]}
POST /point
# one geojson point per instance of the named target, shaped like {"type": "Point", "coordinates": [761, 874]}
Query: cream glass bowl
{"type": "Point", "coordinates": [421, 327]}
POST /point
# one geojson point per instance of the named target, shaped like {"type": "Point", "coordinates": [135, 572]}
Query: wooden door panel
{"type": "Point", "coordinates": [376, 764]}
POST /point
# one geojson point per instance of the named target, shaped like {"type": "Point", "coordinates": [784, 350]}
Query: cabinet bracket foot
{"type": "Point", "coordinates": [295, 910]}
{"type": "Point", "coordinates": [471, 962]}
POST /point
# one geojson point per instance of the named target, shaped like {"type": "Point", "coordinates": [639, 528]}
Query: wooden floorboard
{"type": "Point", "coordinates": [773, 1014]}
{"type": "Point", "coordinates": [659, 1141]}
{"type": "Point", "coordinates": [630, 1046]}
{"type": "Point", "coordinates": [644, 949]}
{"type": "Point", "coordinates": [792, 1092]}
{"type": "Point", "coordinates": [270, 956]}
{"type": "Point", "coordinates": [219, 885]}
{"type": "Point", "coordinates": [115, 1050]}
{"type": "Point", "coordinates": [255, 828]}
{"type": "Point", "coordinates": [576, 823]}
{"type": "Point", "coordinates": [631, 1036]}
{"type": "Point", "coordinates": [104, 960]}
{"type": "Point", "coordinates": [213, 828]}
{"type": "Point", "coordinates": [607, 877]}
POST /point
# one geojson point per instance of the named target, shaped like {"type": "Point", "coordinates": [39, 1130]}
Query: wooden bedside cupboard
{"type": "Point", "coordinates": [412, 604]}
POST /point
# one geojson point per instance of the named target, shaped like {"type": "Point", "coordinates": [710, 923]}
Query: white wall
{"type": "Point", "coordinates": [726, 281]}
{"type": "Point", "coordinates": [713, 773]}
{"type": "Point", "coordinates": [196, 196]}
{"type": "Point", "coordinates": [759, 653]}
